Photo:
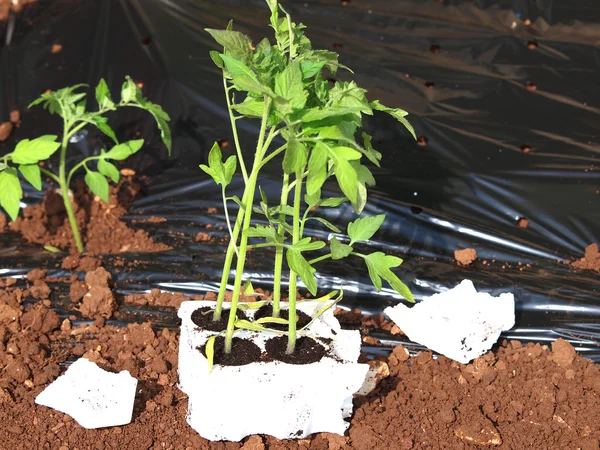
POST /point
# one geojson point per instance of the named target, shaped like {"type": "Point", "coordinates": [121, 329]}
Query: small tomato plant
{"type": "Point", "coordinates": [283, 85]}
{"type": "Point", "coordinates": [29, 155]}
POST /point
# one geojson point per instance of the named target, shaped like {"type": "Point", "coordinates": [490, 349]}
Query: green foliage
{"type": "Point", "coordinates": [284, 83]}
{"type": "Point", "coordinates": [70, 104]}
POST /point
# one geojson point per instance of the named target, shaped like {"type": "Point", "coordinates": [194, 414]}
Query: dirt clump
{"type": "Point", "coordinates": [466, 256]}
{"type": "Point", "coordinates": [591, 260]}
{"type": "Point", "coordinates": [99, 300]}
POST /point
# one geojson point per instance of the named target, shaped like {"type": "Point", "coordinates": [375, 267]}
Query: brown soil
{"type": "Point", "coordinates": [307, 350]}
{"type": "Point", "coordinates": [203, 317]}
{"type": "Point", "coordinates": [591, 260]}
{"type": "Point", "coordinates": [465, 257]}
{"type": "Point", "coordinates": [302, 319]}
{"type": "Point", "coordinates": [243, 351]}
{"type": "Point", "coordinates": [5, 130]}
{"type": "Point", "coordinates": [100, 223]}
{"type": "Point", "coordinates": [515, 397]}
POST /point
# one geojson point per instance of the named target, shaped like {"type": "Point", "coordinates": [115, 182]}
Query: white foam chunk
{"type": "Point", "coordinates": [460, 323]}
{"type": "Point", "coordinates": [283, 400]}
{"type": "Point", "coordinates": [92, 396]}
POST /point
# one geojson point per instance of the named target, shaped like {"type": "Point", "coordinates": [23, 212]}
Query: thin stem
{"type": "Point", "coordinates": [50, 174]}
{"type": "Point", "coordinates": [293, 277]}
{"type": "Point", "coordinates": [273, 154]}
{"type": "Point", "coordinates": [228, 221]}
{"type": "Point", "coordinates": [64, 186]}
{"type": "Point", "coordinates": [249, 199]}
{"type": "Point", "coordinates": [292, 185]}
{"type": "Point", "coordinates": [236, 139]}
{"type": "Point", "coordinates": [279, 251]}
{"type": "Point", "coordinates": [81, 164]}
{"type": "Point", "coordinates": [320, 258]}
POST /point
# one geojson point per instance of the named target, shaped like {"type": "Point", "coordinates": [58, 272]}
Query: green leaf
{"type": "Point", "coordinates": [250, 107]}
{"type": "Point", "coordinates": [32, 173]}
{"type": "Point", "coordinates": [347, 153]}
{"type": "Point", "coordinates": [333, 202]}
{"type": "Point", "coordinates": [237, 68]}
{"type": "Point", "coordinates": [108, 170]}
{"type": "Point", "coordinates": [306, 245]}
{"type": "Point", "coordinates": [300, 265]}
{"type": "Point", "coordinates": [310, 68]}
{"type": "Point", "coordinates": [289, 85]}
{"type": "Point", "coordinates": [365, 177]}
{"type": "Point", "coordinates": [339, 250]}
{"type": "Point", "coordinates": [39, 149]}
{"type": "Point", "coordinates": [97, 184]}
{"type": "Point", "coordinates": [236, 43]}
{"type": "Point", "coordinates": [345, 173]}
{"type": "Point", "coordinates": [295, 157]}
{"type": "Point", "coordinates": [221, 173]}
{"type": "Point", "coordinates": [317, 169]}
{"type": "Point", "coordinates": [364, 228]}
{"type": "Point", "coordinates": [325, 222]}
{"type": "Point", "coordinates": [248, 288]}
{"type": "Point", "coordinates": [209, 351]}
{"type": "Point", "coordinates": [245, 83]}
{"type": "Point", "coordinates": [318, 114]}
{"type": "Point", "coordinates": [229, 169]}
{"type": "Point", "coordinates": [10, 192]}
{"type": "Point", "coordinates": [247, 325]}
{"type": "Point", "coordinates": [122, 151]}
{"type": "Point", "coordinates": [101, 123]}
{"type": "Point", "coordinates": [103, 95]}
{"type": "Point", "coordinates": [267, 232]}
{"type": "Point", "coordinates": [372, 155]}
{"type": "Point", "coordinates": [379, 265]}
{"type": "Point", "coordinates": [162, 122]}
{"type": "Point", "coordinates": [349, 95]}
{"type": "Point", "coordinates": [396, 113]}
{"type": "Point", "coordinates": [267, 320]}
{"type": "Point", "coordinates": [128, 90]}
{"type": "Point", "coordinates": [52, 249]}
{"type": "Point", "coordinates": [215, 56]}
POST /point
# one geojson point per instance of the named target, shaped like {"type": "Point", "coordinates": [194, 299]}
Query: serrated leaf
{"type": "Point", "coordinates": [249, 84]}
{"type": "Point", "coordinates": [97, 184]}
{"type": "Point", "coordinates": [108, 170]}
{"type": "Point", "coordinates": [318, 114]}
{"type": "Point", "coordinates": [365, 178]}
{"type": "Point", "coordinates": [379, 265]}
{"type": "Point", "coordinates": [124, 150]}
{"type": "Point", "coordinates": [294, 159]}
{"type": "Point", "coordinates": [39, 149]}
{"type": "Point", "coordinates": [103, 95]}
{"type": "Point", "coordinates": [349, 95]}
{"type": "Point", "coordinates": [128, 90]}
{"type": "Point", "coordinates": [372, 155]}
{"type": "Point", "coordinates": [215, 56]}
{"type": "Point", "coordinates": [250, 107]}
{"type": "Point", "coordinates": [101, 123]}
{"type": "Point", "coordinates": [237, 68]}
{"type": "Point", "coordinates": [32, 173]}
{"type": "Point", "coordinates": [339, 250]}
{"type": "Point", "coordinates": [267, 232]}
{"type": "Point", "coordinates": [347, 153]}
{"type": "Point", "coordinates": [300, 265]}
{"type": "Point", "coordinates": [209, 351]}
{"type": "Point", "coordinates": [162, 122]}
{"type": "Point", "coordinates": [289, 85]}
{"type": "Point", "coordinates": [364, 228]}
{"type": "Point", "coordinates": [236, 43]}
{"type": "Point", "coordinates": [10, 192]}
{"type": "Point", "coordinates": [325, 222]}
{"type": "Point", "coordinates": [229, 169]}
{"type": "Point", "coordinates": [396, 113]}
{"type": "Point", "coordinates": [306, 245]}
{"type": "Point", "coordinates": [317, 169]}
{"type": "Point", "coordinates": [345, 174]}
{"type": "Point", "coordinates": [310, 68]}
{"type": "Point", "coordinates": [333, 202]}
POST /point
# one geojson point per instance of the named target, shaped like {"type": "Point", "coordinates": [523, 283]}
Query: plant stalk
{"type": "Point", "coordinates": [279, 251]}
{"type": "Point", "coordinates": [293, 277]}
{"type": "Point", "coordinates": [249, 191]}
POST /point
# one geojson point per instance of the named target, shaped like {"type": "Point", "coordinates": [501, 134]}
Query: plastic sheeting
{"type": "Point", "coordinates": [480, 85]}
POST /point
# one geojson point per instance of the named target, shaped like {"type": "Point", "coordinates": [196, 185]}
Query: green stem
{"type": "Point", "coordinates": [274, 154]}
{"type": "Point", "coordinates": [227, 219]}
{"type": "Point", "coordinates": [279, 251]}
{"type": "Point", "coordinates": [236, 139]}
{"type": "Point", "coordinates": [261, 148]}
{"type": "Point", "coordinates": [293, 277]}
{"type": "Point", "coordinates": [64, 186]}
{"type": "Point", "coordinates": [78, 166]}
{"type": "Point", "coordinates": [320, 258]}
{"type": "Point", "coordinates": [50, 174]}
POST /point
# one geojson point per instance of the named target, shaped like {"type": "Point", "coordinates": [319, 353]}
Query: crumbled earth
{"type": "Point", "coordinates": [519, 396]}
{"type": "Point", "coordinates": [5, 130]}
{"type": "Point", "coordinates": [465, 257]}
{"type": "Point", "coordinates": [100, 223]}
{"type": "Point", "coordinates": [591, 260]}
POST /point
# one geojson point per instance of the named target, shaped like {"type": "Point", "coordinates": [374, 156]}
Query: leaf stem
{"type": "Point", "coordinates": [319, 259]}
{"type": "Point", "coordinates": [50, 174]}
{"type": "Point", "coordinates": [236, 139]}
{"type": "Point", "coordinates": [228, 221]}
{"type": "Point", "coordinates": [273, 154]}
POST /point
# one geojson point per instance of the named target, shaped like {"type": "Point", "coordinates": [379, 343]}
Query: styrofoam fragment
{"type": "Point", "coordinates": [460, 323]}
{"type": "Point", "coordinates": [92, 396]}
{"type": "Point", "coordinates": [283, 400]}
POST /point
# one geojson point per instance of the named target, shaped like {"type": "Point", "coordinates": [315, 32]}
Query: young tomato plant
{"type": "Point", "coordinates": [283, 85]}
{"type": "Point", "coordinates": [29, 155]}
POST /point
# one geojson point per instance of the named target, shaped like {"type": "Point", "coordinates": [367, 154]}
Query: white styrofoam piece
{"type": "Point", "coordinates": [283, 400]}
{"type": "Point", "coordinates": [460, 323]}
{"type": "Point", "coordinates": [92, 396]}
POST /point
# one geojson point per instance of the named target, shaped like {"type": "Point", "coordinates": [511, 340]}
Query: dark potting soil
{"type": "Point", "coordinates": [307, 351]}
{"type": "Point", "coordinates": [243, 351]}
{"type": "Point", "coordinates": [515, 397]}
{"type": "Point", "coordinates": [203, 317]}
{"type": "Point", "coordinates": [100, 223]}
{"type": "Point", "coordinates": [302, 319]}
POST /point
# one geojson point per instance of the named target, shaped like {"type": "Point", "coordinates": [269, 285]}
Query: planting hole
{"type": "Point", "coordinates": [243, 352]}
{"type": "Point", "coordinates": [532, 45]}
{"type": "Point", "coordinates": [203, 317]}
{"type": "Point", "coordinates": [146, 40]}
{"type": "Point", "coordinates": [337, 45]}
{"type": "Point", "coordinates": [307, 351]}
{"type": "Point", "coordinates": [422, 141]}
{"type": "Point", "coordinates": [434, 48]}
{"type": "Point", "coordinates": [267, 311]}
{"type": "Point", "coordinates": [525, 148]}
{"type": "Point", "coordinates": [416, 210]}
{"type": "Point", "coordinates": [429, 84]}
